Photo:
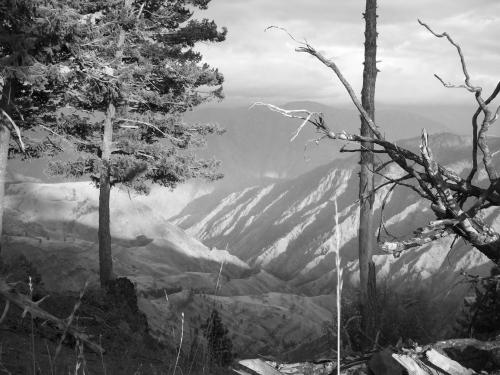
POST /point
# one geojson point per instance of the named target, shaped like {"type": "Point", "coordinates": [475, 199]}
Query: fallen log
{"type": "Point", "coordinates": [259, 366]}
{"type": "Point", "coordinates": [448, 365]}
{"type": "Point", "coordinates": [410, 364]}
{"type": "Point", "coordinates": [9, 293]}
{"type": "Point", "coordinates": [450, 357]}
{"type": "Point", "coordinates": [472, 353]}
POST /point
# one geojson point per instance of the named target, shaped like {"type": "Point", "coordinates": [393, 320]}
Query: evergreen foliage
{"type": "Point", "coordinates": [480, 317]}
{"type": "Point", "coordinates": [138, 58]}
{"type": "Point", "coordinates": [132, 73]}
{"type": "Point", "coordinates": [34, 41]}
{"type": "Point", "coordinates": [219, 344]}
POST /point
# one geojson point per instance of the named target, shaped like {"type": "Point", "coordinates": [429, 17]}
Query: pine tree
{"type": "Point", "coordinates": [133, 74]}
{"type": "Point", "coordinates": [219, 344]}
{"type": "Point", "coordinates": [34, 35]}
{"type": "Point", "coordinates": [480, 317]}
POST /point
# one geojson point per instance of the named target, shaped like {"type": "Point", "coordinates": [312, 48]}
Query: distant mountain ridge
{"type": "Point", "coordinates": [256, 145]}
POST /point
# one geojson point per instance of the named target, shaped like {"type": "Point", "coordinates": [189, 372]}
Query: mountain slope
{"type": "Point", "coordinates": [55, 227]}
{"type": "Point", "coordinates": [287, 227]}
{"type": "Point", "coordinates": [67, 215]}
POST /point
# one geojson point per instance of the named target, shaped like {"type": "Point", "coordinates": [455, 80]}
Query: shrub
{"type": "Point", "coordinates": [480, 317]}
{"type": "Point", "coordinates": [219, 343]}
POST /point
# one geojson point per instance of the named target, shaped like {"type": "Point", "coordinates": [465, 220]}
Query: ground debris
{"type": "Point", "coordinates": [326, 367]}
{"type": "Point", "coordinates": [10, 295]}
{"type": "Point", "coordinates": [451, 357]}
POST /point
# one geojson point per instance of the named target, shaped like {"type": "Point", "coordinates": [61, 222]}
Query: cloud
{"type": "Point", "coordinates": [262, 65]}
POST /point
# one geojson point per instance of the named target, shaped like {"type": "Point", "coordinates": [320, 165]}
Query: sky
{"type": "Point", "coordinates": [262, 65]}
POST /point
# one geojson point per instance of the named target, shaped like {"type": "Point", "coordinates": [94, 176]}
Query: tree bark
{"type": "Point", "coordinates": [8, 94]}
{"type": "Point", "coordinates": [366, 179]}
{"type": "Point", "coordinates": [105, 259]}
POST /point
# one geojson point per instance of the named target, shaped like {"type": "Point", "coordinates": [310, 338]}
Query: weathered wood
{"type": "Point", "coordinates": [366, 239]}
{"type": "Point", "coordinates": [471, 353]}
{"type": "Point", "coordinates": [259, 366]}
{"type": "Point", "coordinates": [449, 365]}
{"type": "Point", "coordinates": [409, 364]}
{"type": "Point", "coordinates": [8, 292]}
{"type": "Point", "coordinates": [5, 100]}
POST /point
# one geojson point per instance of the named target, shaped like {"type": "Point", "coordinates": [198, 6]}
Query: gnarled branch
{"type": "Point", "coordinates": [443, 187]}
{"type": "Point", "coordinates": [9, 294]}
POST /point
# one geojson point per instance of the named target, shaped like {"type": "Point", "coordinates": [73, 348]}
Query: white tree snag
{"type": "Point", "coordinates": [448, 365]}
{"type": "Point", "coordinates": [10, 295]}
{"type": "Point", "coordinates": [397, 247]}
{"type": "Point", "coordinates": [259, 366]}
{"type": "Point", "coordinates": [410, 364]}
{"type": "Point", "coordinates": [366, 241]}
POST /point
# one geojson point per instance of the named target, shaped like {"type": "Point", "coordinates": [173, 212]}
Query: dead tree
{"type": "Point", "coordinates": [367, 279]}
{"type": "Point", "coordinates": [445, 190]}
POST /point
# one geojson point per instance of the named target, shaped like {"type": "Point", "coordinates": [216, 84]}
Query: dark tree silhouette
{"type": "Point", "coordinates": [219, 344]}
{"type": "Point", "coordinates": [481, 315]}
{"type": "Point", "coordinates": [133, 74]}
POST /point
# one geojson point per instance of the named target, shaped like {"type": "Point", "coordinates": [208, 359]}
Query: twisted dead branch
{"type": "Point", "coordinates": [445, 189]}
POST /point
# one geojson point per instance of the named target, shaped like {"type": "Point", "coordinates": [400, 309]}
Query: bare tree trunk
{"type": "Point", "coordinates": [105, 259]}
{"type": "Point", "coordinates": [366, 182]}
{"type": "Point", "coordinates": [8, 94]}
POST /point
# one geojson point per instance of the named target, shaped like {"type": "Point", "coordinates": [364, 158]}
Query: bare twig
{"type": "Point", "coordinates": [382, 219]}
{"type": "Point", "coordinates": [443, 187]}
{"type": "Point", "coordinates": [330, 64]}
{"type": "Point", "coordinates": [15, 128]}
{"type": "Point", "coordinates": [69, 321]}
{"type": "Point", "coordinates": [467, 85]}
{"type": "Point", "coordinates": [5, 311]}
{"type": "Point", "coordinates": [148, 124]}
{"type": "Point", "coordinates": [180, 344]}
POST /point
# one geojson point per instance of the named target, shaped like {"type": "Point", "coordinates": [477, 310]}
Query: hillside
{"type": "Point", "coordinates": [276, 288]}
{"type": "Point", "coordinates": [287, 227]}
{"type": "Point", "coordinates": [55, 227]}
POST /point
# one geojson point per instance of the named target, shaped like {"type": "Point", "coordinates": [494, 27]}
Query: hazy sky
{"type": "Point", "coordinates": [263, 66]}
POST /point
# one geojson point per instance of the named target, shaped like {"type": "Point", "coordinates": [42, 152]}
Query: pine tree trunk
{"type": "Point", "coordinates": [105, 259]}
{"type": "Point", "coordinates": [366, 232]}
